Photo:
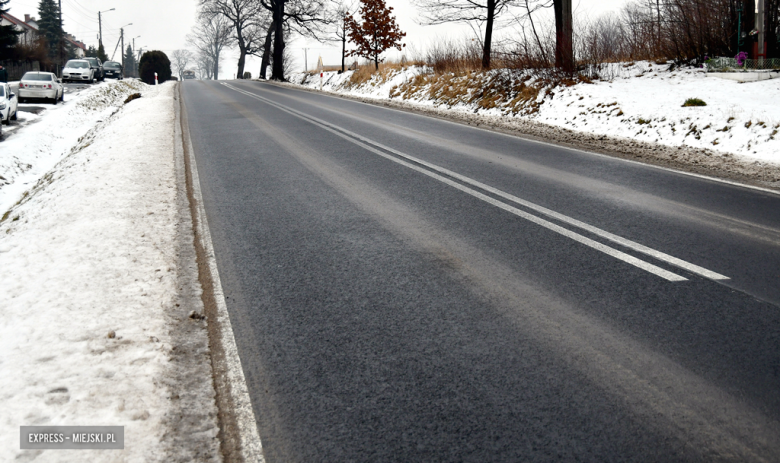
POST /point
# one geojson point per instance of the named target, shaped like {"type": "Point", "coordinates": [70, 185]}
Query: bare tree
{"type": "Point", "coordinates": [204, 66]}
{"type": "Point", "coordinates": [307, 18]}
{"type": "Point", "coordinates": [210, 35]}
{"type": "Point", "coordinates": [181, 58]}
{"type": "Point", "coordinates": [488, 12]}
{"type": "Point", "coordinates": [341, 13]}
{"type": "Point", "coordinates": [249, 19]}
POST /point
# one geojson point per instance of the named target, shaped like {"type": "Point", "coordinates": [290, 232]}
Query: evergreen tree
{"type": "Point", "coordinates": [101, 53]}
{"type": "Point", "coordinates": [129, 62]}
{"type": "Point", "coordinates": [91, 52]}
{"type": "Point", "coordinates": [49, 26]}
{"type": "Point", "coordinates": [8, 34]}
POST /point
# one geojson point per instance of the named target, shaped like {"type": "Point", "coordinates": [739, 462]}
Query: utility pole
{"type": "Point", "coordinates": [122, 32]}
{"type": "Point", "coordinates": [100, 25]}
{"type": "Point", "coordinates": [62, 32]}
{"type": "Point", "coordinates": [305, 60]}
{"type": "Point", "coordinates": [739, 26]}
{"type": "Point", "coordinates": [760, 27]}
{"type": "Point", "coordinates": [122, 38]}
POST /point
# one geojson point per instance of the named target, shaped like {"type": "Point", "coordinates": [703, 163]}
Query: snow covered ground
{"type": "Point", "coordinates": [639, 101]}
{"type": "Point", "coordinates": [94, 268]}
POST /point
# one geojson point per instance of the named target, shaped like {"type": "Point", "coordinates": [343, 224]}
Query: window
{"type": "Point", "coordinates": [77, 65]}
{"type": "Point", "coordinates": [37, 76]}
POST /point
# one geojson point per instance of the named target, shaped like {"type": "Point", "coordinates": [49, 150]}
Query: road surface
{"type": "Point", "coordinates": [403, 288]}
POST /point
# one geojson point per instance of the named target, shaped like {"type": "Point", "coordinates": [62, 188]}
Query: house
{"type": "Point", "coordinates": [29, 29]}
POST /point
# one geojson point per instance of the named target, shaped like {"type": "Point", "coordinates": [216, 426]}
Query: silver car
{"type": "Point", "coordinates": [41, 85]}
{"type": "Point", "coordinates": [9, 104]}
{"type": "Point", "coordinates": [78, 70]}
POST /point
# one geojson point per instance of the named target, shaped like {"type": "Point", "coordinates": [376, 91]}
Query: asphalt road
{"type": "Point", "coordinates": [403, 288]}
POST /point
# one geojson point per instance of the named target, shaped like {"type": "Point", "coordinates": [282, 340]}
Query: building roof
{"type": "Point", "coordinates": [18, 21]}
{"type": "Point", "coordinates": [21, 23]}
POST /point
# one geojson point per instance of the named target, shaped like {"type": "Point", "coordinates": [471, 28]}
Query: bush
{"type": "Point", "coordinates": [151, 62]}
{"type": "Point", "coordinates": [247, 75]}
{"type": "Point", "coordinates": [694, 102]}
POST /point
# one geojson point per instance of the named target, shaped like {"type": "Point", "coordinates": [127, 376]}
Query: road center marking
{"type": "Point", "coordinates": [375, 147]}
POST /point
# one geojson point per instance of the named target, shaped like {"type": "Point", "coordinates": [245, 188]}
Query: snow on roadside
{"type": "Point", "coordinates": [89, 291]}
{"type": "Point", "coordinates": [30, 152]}
{"type": "Point", "coordinates": [639, 101]}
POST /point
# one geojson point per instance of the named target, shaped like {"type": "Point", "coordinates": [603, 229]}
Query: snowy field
{"type": "Point", "coordinates": [94, 325]}
{"type": "Point", "coordinates": [640, 101]}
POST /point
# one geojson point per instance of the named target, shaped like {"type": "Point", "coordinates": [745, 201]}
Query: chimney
{"type": "Point", "coordinates": [27, 18]}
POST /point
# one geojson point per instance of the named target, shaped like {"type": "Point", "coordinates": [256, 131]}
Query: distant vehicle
{"type": "Point", "coordinates": [187, 75]}
{"type": "Point", "coordinates": [113, 70]}
{"type": "Point", "coordinates": [9, 104]}
{"type": "Point", "coordinates": [41, 85]}
{"type": "Point", "coordinates": [78, 70]}
{"type": "Point", "coordinates": [95, 64]}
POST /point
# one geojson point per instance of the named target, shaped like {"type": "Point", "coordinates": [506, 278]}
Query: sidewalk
{"type": "Point", "coordinates": [97, 284]}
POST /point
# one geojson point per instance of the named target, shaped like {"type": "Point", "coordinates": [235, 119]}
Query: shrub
{"type": "Point", "coordinates": [694, 102]}
{"type": "Point", "coordinates": [247, 75]}
{"type": "Point", "coordinates": [154, 61]}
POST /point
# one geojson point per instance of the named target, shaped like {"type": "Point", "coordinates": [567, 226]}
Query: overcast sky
{"type": "Point", "coordinates": [164, 25]}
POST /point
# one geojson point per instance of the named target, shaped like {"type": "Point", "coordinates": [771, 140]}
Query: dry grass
{"type": "Point", "coordinates": [367, 73]}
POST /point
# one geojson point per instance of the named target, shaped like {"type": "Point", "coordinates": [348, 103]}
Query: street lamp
{"type": "Point", "coordinates": [100, 24]}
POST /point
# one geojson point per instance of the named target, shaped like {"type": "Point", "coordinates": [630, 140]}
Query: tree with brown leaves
{"type": "Point", "coordinates": [378, 32]}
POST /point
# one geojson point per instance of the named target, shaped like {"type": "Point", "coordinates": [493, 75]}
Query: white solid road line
{"type": "Point", "coordinates": [365, 142]}
{"type": "Point", "coordinates": [251, 447]}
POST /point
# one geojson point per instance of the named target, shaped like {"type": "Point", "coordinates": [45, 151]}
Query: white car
{"type": "Point", "coordinates": [9, 104]}
{"type": "Point", "coordinates": [41, 85]}
{"type": "Point", "coordinates": [78, 70]}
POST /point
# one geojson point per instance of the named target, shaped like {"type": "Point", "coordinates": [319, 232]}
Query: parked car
{"type": "Point", "coordinates": [95, 64]}
{"type": "Point", "coordinates": [78, 70]}
{"type": "Point", "coordinates": [9, 104]}
{"type": "Point", "coordinates": [41, 85]}
{"type": "Point", "coordinates": [113, 70]}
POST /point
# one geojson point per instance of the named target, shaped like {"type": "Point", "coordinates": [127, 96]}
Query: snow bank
{"type": "Point", "coordinates": [30, 152]}
{"type": "Point", "coordinates": [89, 286]}
{"type": "Point", "coordinates": [638, 101]}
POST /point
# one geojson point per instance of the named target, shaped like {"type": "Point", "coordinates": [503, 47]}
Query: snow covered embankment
{"type": "Point", "coordinates": [29, 153]}
{"type": "Point", "coordinates": [91, 307]}
{"type": "Point", "coordinates": [640, 102]}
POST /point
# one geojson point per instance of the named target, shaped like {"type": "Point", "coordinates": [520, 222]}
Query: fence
{"type": "Point", "coordinates": [17, 70]}
{"type": "Point", "coordinates": [730, 64]}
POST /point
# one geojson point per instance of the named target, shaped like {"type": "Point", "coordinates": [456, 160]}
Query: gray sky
{"type": "Point", "coordinates": [164, 25]}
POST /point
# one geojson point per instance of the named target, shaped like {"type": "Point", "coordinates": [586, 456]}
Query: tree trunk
{"type": "Point", "coordinates": [491, 13]}
{"type": "Point", "coordinates": [376, 54]}
{"type": "Point", "coordinates": [241, 62]}
{"type": "Point", "coordinates": [241, 57]}
{"type": "Point", "coordinates": [564, 53]}
{"type": "Point", "coordinates": [277, 71]}
{"type": "Point", "coordinates": [216, 66]}
{"type": "Point", "coordinates": [267, 50]}
{"type": "Point", "coordinates": [343, 48]}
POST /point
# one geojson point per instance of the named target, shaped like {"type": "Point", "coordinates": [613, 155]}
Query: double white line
{"type": "Point", "coordinates": [432, 170]}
